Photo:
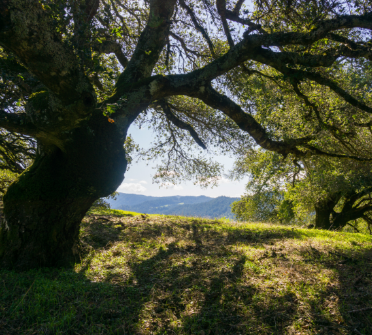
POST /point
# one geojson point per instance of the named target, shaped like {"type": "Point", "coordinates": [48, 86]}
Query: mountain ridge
{"type": "Point", "coordinates": [201, 206]}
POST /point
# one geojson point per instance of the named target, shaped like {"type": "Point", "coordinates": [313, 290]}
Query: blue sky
{"type": "Point", "coordinates": [138, 179]}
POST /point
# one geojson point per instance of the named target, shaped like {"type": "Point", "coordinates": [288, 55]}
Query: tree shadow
{"type": "Point", "coordinates": [345, 306]}
{"type": "Point", "coordinates": [184, 278]}
{"type": "Point", "coordinates": [201, 290]}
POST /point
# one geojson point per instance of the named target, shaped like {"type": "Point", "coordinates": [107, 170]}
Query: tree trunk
{"type": "Point", "coordinates": [322, 216]}
{"type": "Point", "coordinates": [324, 209]}
{"type": "Point", "coordinates": [44, 207]}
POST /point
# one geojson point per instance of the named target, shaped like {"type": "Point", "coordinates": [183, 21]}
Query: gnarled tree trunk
{"type": "Point", "coordinates": [44, 207]}
{"type": "Point", "coordinates": [322, 216]}
{"type": "Point", "coordinates": [323, 210]}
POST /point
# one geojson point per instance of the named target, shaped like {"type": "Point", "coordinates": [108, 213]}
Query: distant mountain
{"type": "Point", "coordinates": [124, 199]}
{"type": "Point", "coordinates": [215, 208]}
{"type": "Point", "coordinates": [200, 206]}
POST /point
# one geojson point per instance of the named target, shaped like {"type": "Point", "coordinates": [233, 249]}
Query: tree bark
{"type": "Point", "coordinates": [323, 211]}
{"type": "Point", "coordinates": [322, 217]}
{"type": "Point", "coordinates": [44, 207]}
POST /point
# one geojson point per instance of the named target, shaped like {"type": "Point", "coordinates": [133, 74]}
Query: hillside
{"type": "Point", "coordinates": [126, 200]}
{"type": "Point", "coordinates": [172, 275]}
{"type": "Point", "coordinates": [200, 206]}
{"type": "Point", "coordinates": [215, 208]}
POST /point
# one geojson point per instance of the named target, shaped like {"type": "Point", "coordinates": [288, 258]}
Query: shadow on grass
{"type": "Point", "coordinates": [345, 306]}
{"type": "Point", "coordinates": [194, 280]}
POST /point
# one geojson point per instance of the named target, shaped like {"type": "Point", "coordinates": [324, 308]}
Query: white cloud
{"type": "Point", "coordinates": [223, 180]}
{"type": "Point", "coordinates": [143, 182]}
{"type": "Point", "coordinates": [131, 188]}
{"type": "Point", "coordinates": [132, 179]}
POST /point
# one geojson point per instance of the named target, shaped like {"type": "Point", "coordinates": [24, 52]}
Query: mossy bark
{"type": "Point", "coordinates": [44, 207]}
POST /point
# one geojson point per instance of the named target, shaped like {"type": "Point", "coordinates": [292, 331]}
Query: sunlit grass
{"type": "Point", "coordinates": [174, 275]}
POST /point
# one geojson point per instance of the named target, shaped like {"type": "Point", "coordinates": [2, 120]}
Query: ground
{"type": "Point", "coordinates": [174, 275]}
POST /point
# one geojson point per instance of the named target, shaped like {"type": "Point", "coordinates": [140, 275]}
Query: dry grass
{"type": "Point", "coordinates": [176, 275]}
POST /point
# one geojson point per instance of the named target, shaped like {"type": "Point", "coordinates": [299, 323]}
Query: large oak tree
{"type": "Point", "coordinates": [76, 74]}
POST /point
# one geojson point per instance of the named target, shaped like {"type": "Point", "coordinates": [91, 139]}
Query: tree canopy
{"type": "Point", "coordinates": [327, 192]}
{"type": "Point", "coordinates": [289, 76]}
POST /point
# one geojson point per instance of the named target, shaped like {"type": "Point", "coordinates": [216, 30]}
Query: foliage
{"type": "Point", "coordinates": [291, 190]}
{"type": "Point", "coordinates": [16, 154]}
{"type": "Point", "coordinates": [191, 276]}
{"type": "Point", "coordinates": [102, 203]}
{"type": "Point", "coordinates": [291, 77]}
{"type": "Point", "coordinates": [269, 176]}
{"type": "Point", "coordinates": [296, 94]}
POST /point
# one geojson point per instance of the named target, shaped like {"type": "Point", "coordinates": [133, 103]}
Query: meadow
{"type": "Point", "coordinates": [153, 274]}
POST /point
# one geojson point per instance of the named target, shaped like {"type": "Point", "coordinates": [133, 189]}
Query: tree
{"type": "Point", "coordinates": [269, 176]}
{"type": "Point", "coordinates": [337, 191]}
{"type": "Point", "coordinates": [79, 73]}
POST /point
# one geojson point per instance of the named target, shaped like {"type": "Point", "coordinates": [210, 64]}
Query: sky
{"type": "Point", "coordinates": [138, 179]}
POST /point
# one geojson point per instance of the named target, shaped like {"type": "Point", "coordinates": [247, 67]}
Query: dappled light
{"type": "Point", "coordinates": [153, 274]}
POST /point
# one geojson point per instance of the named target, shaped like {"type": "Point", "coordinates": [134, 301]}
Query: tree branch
{"type": "Point", "coordinates": [150, 44]}
{"type": "Point", "coordinates": [247, 123]}
{"type": "Point", "coordinates": [232, 16]}
{"type": "Point", "coordinates": [198, 27]}
{"type": "Point", "coordinates": [352, 199]}
{"type": "Point", "coordinates": [299, 74]}
{"type": "Point", "coordinates": [17, 123]}
{"type": "Point", "coordinates": [65, 76]}
{"type": "Point", "coordinates": [221, 9]}
{"type": "Point", "coordinates": [108, 47]}
{"type": "Point", "coordinates": [238, 6]}
{"type": "Point", "coordinates": [180, 124]}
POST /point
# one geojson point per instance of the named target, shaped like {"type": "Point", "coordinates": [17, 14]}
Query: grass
{"type": "Point", "coordinates": [175, 275]}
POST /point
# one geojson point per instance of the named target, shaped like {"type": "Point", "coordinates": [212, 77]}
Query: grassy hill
{"type": "Point", "coordinates": [175, 275]}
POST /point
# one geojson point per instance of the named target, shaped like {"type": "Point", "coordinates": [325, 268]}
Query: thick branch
{"type": "Point", "coordinates": [17, 123]}
{"type": "Point", "coordinates": [250, 48]}
{"type": "Point", "coordinates": [278, 61]}
{"type": "Point", "coordinates": [247, 123]}
{"type": "Point", "coordinates": [319, 32]}
{"type": "Point", "coordinates": [150, 44]}
{"type": "Point", "coordinates": [318, 152]}
{"type": "Point", "coordinates": [349, 203]}
{"type": "Point", "coordinates": [29, 33]}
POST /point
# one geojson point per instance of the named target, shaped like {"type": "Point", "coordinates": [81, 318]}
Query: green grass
{"type": "Point", "coordinates": [175, 275]}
